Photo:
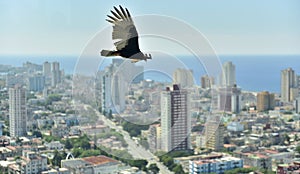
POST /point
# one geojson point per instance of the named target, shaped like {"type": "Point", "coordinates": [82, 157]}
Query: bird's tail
{"type": "Point", "coordinates": [108, 53]}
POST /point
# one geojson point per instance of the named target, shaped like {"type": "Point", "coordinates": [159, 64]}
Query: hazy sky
{"type": "Point", "coordinates": [232, 26]}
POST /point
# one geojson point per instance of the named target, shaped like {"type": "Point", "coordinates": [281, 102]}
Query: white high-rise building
{"type": "Point", "coordinates": [228, 77]}
{"type": "Point", "coordinates": [55, 74]}
{"type": "Point", "coordinates": [175, 119]}
{"type": "Point", "coordinates": [229, 99]}
{"type": "Point", "coordinates": [288, 85]}
{"type": "Point", "coordinates": [17, 111]}
{"type": "Point", "coordinates": [36, 83]}
{"type": "Point", "coordinates": [183, 77]}
{"type": "Point", "coordinates": [113, 90]}
{"type": "Point", "coordinates": [47, 69]}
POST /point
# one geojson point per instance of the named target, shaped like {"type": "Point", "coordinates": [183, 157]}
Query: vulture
{"type": "Point", "coordinates": [125, 36]}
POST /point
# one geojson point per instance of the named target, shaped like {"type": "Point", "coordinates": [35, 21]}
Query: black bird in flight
{"type": "Point", "coordinates": [125, 37]}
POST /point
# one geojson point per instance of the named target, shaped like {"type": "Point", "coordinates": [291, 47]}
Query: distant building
{"type": "Point", "coordinates": [288, 168]}
{"type": "Point", "coordinates": [55, 74]}
{"type": "Point", "coordinates": [297, 105]}
{"type": "Point", "coordinates": [229, 99]}
{"type": "Point", "coordinates": [265, 101]}
{"type": "Point", "coordinates": [30, 163]}
{"type": "Point", "coordinates": [154, 137]}
{"type": "Point", "coordinates": [36, 83]}
{"type": "Point", "coordinates": [57, 171]}
{"type": "Point", "coordinates": [175, 119]}
{"type": "Point", "coordinates": [17, 111]}
{"type": "Point", "coordinates": [214, 134]}
{"type": "Point", "coordinates": [183, 77]}
{"type": "Point", "coordinates": [228, 78]}
{"type": "Point", "coordinates": [112, 90]}
{"type": "Point", "coordinates": [93, 164]}
{"type": "Point", "coordinates": [207, 82]}
{"type": "Point", "coordinates": [256, 159]}
{"type": "Point", "coordinates": [288, 85]}
{"type": "Point", "coordinates": [235, 127]}
{"type": "Point", "coordinates": [112, 84]}
{"type": "Point", "coordinates": [15, 79]}
{"type": "Point", "coordinates": [218, 164]}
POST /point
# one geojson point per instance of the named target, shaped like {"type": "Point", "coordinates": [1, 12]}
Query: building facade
{"type": "Point", "coordinates": [265, 101]}
{"type": "Point", "coordinates": [288, 84]}
{"type": "Point", "coordinates": [228, 76]}
{"type": "Point", "coordinates": [183, 77]}
{"type": "Point", "coordinates": [17, 111]}
{"type": "Point", "coordinates": [214, 134]}
{"type": "Point", "coordinates": [175, 119]}
{"type": "Point", "coordinates": [207, 82]}
{"type": "Point", "coordinates": [229, 99]}
{"type": "Point", "coordinates": [215, 165]}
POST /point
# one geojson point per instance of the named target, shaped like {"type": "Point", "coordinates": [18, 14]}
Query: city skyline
{"type": "Point", "coordinates": [64, 28]}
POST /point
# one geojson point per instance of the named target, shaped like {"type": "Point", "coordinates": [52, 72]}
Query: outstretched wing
{"type": "Point", "coordinates": [124, 33]}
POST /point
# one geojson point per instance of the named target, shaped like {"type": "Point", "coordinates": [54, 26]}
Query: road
{"type": "Point", "coordinates": [137, 151]}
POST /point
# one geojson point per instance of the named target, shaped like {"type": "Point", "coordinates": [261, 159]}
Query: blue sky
{"type": "Point", "coordinates": [35, 27]}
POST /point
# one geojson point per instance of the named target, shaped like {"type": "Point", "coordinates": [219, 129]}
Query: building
{"type": "Point", "coordinates": [57, 171]}
{"type": "Point", "coordinates": [214, 134]}
{"type": "Point", "coordinates": [30, 163]}
{"type": "Point", "coordinates": [94, 164]}
{"type": "Point", "coordinates": [154, 137]}
{"type": "Point", "coordinates": [183, 77]}
{"type": "Point", "coordinates": [265, 101]}
{"type": "Point", "coordinates": [235, 127]}
{"type": "Point", "coordinates": [112, 90]}
{"type": "Point", "coordinates": [256, 159]}
{"type": "Point", "coordinates": [17, 111]}
{"type": "Point", "coordinates": [228, 78]}
{"type": "Point", "coordinates": [175, 119]}
{"type": "Point", "coordinates": [288, 85]}
{"type": "Point", "coordinates": [207, 82]}
{"type": "Point", "coordinates": [47, 69]}
{"type": "Point", "coordinates": [217, 164]}
{"type": "Point", "coordinates": [288, 168]}
{"type": "Point", "coordinates": [36, 83]}
{"type": "Point", "coordinates": [55, 74]}
{"type": "Point", "coordinates": [297, 105]}
{"type": "Point", "coordinates": [229, 99]}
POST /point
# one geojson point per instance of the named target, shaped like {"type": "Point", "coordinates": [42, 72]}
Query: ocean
{"type": "Point", "coordinates": [253, 72]}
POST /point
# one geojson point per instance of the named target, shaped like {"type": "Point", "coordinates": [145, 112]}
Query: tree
{"type": "Point", "coordinates": [298, 149]}
{"type": "Point", "coordinates": [68, 144]}
{"type": "Point", "coordinates": [57, 158]}
{"type": "Point", "coordinates": [178, 169]}
{"type": "Point", "coordinates": [110, 114]}
{"type": "Point", "coordinates": [37, 134]}
{"type": "Point", "coordinates": [153, 168]}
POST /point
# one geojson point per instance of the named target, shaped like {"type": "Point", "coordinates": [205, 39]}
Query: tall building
{"type": "Point", "coordinates": [112, 90]}
{"type": "Point", "coordinates": [175, 119]}
{"type": "Point", "coordinates": [229, 99]}
{"type": "Point", "coordinates": [17, 111]}
{"type": "Point", "coordinates": [183, 77]}
{"type": "Point", "coordinates": [297, 105]}
{"type": "Point", "coordinates": [228, 76]}
{"type": "Point", "coordinates": [288, 84]}
{"type": "Point", "coordinates": [154, 137]}
{"type": "Point", "coordinates": [112, 83]}
{"type": "Point", "coordinates": [55, 74]}
{"type": "Point", "coordinates": [207, 81]}
{"type": "Point", "coordinates": [36, 83]}
{"type": "Point", "coordinates": [265, 101]}
{"type": "Point", "coordinates": [214, 134]}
